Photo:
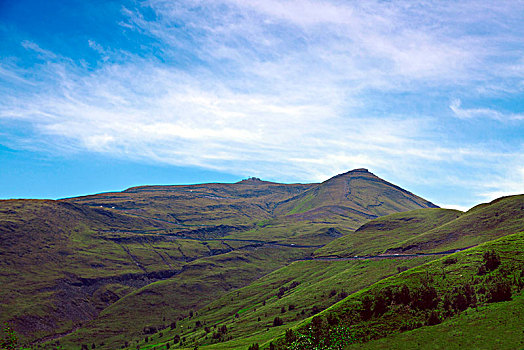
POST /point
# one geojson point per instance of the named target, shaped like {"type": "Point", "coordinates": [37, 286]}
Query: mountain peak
{"type": "Point", "coordinates": [252, 180]}
{"type": "Point", "coordinates": [359, 171]}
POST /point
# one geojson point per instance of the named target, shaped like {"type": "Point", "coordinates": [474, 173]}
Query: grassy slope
{"type": "Point", "coordinates": [160, 303]}
{"type": "Point", "coordinates": [315, 280]}
{"type": "Point", "coordinates": [493, 326]}
{"type": "Point", "coordinates": [61, 264]}
{"type": "Point", "coordinates": [480, 224]}
{"type": "Point", "coordinates": [374, 236]}
{"type": "Point", "coordinates": [357, 191]}
{"type": "Point", "coordinates": [240, 203]}
{"type": "Point", "coordinates": [86, 253]}
{"type": "Point", "coordinates": [444, 277]}
{"type": "Point", "coordinates": [44, 242]}
{"type": "Point", "coordinates": [432, 230]}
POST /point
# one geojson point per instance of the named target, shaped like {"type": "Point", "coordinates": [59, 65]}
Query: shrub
{"type": "Point", "coordinates": [315, 310]}
{"type": "Point", "coordinates": [401, 269]}
{"type": "Point", "coordinates": [9, 339]}
{"type": "Point", "coordinates": [379, 306]}
{"type": "Point", "coordinates": [491, 260]}
{"type": "Point", "coordinates": [450, 261]}
{"type": "Point", "coordinates": [290, 336]}
{"type": "Point", "coordinates": [277, 321]}
{"type": "Point", "coordinates": [433, 318]}
{"type": "Point", "coordinates": [500, 291]}
{"type": "Point", "coordinates": [402, 295]}
{"type": "Point", "coordinates": [367, 304]}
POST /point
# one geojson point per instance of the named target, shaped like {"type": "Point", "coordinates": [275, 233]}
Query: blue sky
{"type": "Point", "coordinates": [103, 95]}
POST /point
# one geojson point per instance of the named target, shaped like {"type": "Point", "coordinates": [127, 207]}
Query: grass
{"type": "Point", "coordinates": [309, 286]}
{"type": "Point", "coordinates": [480, 224]}
{"type": "Point", "coordinates": [200, 282]}
{"type": "Point", "coordinates": [432, 230]}
{"type": "Point", "coordinates": [492, 326]}
{"type": "Point", "coordinates": [375, 236]}
{"type": "Point", "coordinates": [356, 322]}
{"type": "Point", "coordinates": [105, 266]}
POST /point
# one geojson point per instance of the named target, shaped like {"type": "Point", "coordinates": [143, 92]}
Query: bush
{"type": "Point", "coordinates": [402, 295]}
{"type": "Point", "coordinates": [401, 269]}
{"type": "Point", "coordinates": [367, 304]}
{"type": "Point", "coordinates": [433, 318]}
{"type": "Point", "coordinates": [500, 291]}
{"type": "Point", "coordinates": [9, 339]}
{"type": "Point", "coordinates": [450, 261]}
{"type": "Point", "coordinates": [427, 298]}
{"type": "Point", "coordinates": [290, 336]}
{"type": "Point", "coordinates": [491, 260]}
{"type": "Point", "coordinates": [277, 321]}
{"type": "Point", "coordinates": [380, 305]}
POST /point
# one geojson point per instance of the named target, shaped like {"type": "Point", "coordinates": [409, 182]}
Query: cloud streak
{"type": "Point", "coordinates": [284, 90]}
{"type": "Point", "coordinates": [470, 113]}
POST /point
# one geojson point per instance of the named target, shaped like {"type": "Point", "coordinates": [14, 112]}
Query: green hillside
{"type": "Point", "coordinates": [375, 236]}
{"type": "Point", "coordinates": [420, 297]}
{"type": "Point", "coordinates": [431, 230]}
{"type": "Point", "coordinates": [357, 191]}
{"type": "Point", "coordinates": [103, 268]}
{"type": "Point", "coordinates": [479, 224]}
{"type": "Point", "coordinates": [292, 293]}
{"type": "Point", "coordinates": [314, 285]}
{"type": "Point", "coordinates": [491, 326]}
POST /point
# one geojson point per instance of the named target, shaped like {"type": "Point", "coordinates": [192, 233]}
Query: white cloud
{"type": "Point", "coordinates": [279, 89]}
{"type": "Point", "coordinates": [470, 113]}
{"type": "Point", "coordinates": [510, 183]}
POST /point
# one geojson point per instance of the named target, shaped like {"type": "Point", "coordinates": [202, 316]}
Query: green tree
{"type": "Point", "coordinates": [9, 339]}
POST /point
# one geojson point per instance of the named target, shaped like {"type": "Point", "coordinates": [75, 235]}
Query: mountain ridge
{"type": "Point", "coordinates": [94, 251]}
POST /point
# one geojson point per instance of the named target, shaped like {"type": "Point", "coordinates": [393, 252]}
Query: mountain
{"type": "Point", "coordinates": [359, 192]}
{"type": "Point", "coordinates": [92, 268]}
{"type": "Point", "coordinates": [205, 204]}
{"type": "Point", "coordinates": [337, 288]}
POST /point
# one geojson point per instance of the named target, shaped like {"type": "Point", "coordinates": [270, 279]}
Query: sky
{"type": "Point", "coordinates": [103, 95]}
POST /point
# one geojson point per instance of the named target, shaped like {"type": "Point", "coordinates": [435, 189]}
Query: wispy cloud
{"type": "Point", "coordinates": [285, 90]}
{"type": "Point", "coordinates": [469, 113]}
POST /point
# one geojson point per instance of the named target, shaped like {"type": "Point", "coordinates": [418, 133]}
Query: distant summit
{"type": "Point", "coordinates": [357, 191]}
{"type": "Point", "coordinates": [252, 180]}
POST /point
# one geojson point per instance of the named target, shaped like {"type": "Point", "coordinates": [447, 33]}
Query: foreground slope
{"type": "Point", "coordinates": [305, 288]}
{"type": "Point", "coordinates": [420, 297]}
{"type": "Point", "coordinates": [492, 326]}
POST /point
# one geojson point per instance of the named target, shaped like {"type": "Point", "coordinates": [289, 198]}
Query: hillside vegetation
{"type": "Point", "coordinates": [422, 296]}
{"type": "Point", "coordinates": [375, 236]}
{"type": "Point", "coordinates": [291, 297]}
{"type": "Point", "coordinates": [104, 268]}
